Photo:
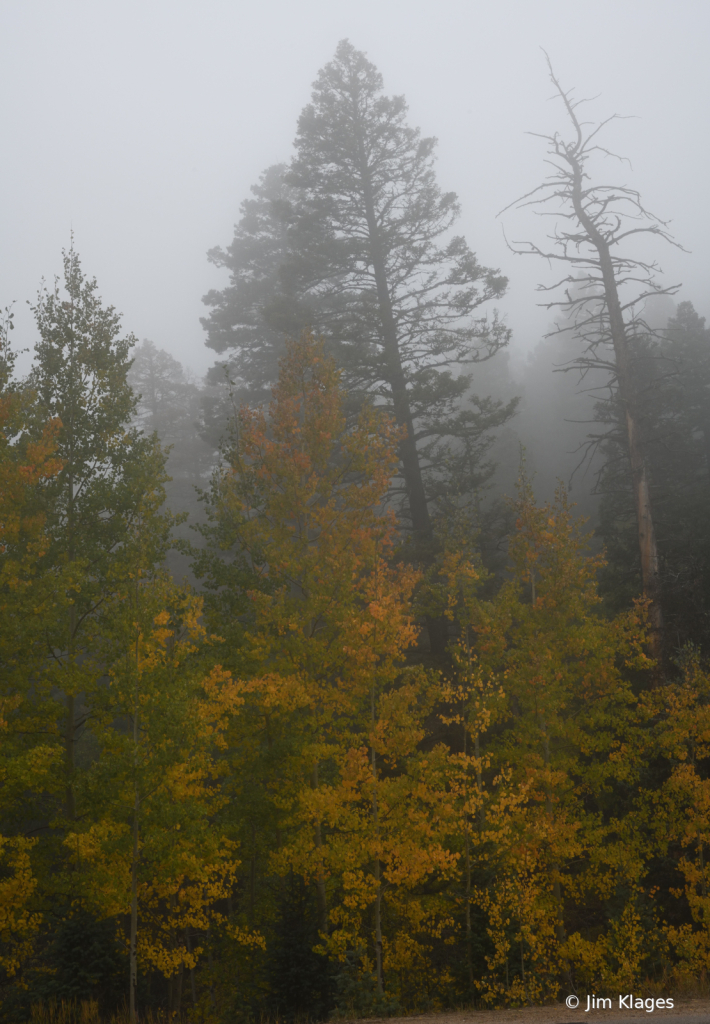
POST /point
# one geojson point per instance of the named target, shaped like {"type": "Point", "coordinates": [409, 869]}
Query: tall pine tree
{"type": "Point", "coordinates": [355, 239]}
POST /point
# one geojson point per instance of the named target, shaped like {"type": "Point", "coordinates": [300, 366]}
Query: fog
{"type": "Point", "coordinates": [270, 753]}
{"type": "Point", "coordinates": [141, 126]}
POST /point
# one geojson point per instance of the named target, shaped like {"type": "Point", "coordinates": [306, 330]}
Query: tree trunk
{"type": "Point", "coordinates": [133, 966]}
{"type": "Point", "coordinates": [252, 877]}
{"type": "Point", "coordinates": [556, 887]}
{"type": "Point", "coordinates": [69, 742]}
{"type": "Point", "coordinates": [378, 928]}
{"type": "Point", "coordinates": [469, 931]}
{"type": "Point", "coordinates": [133, 951]}
{"type": "Point", "coordinates": [479, 781]}
{"type": "Point", "coordinates": [413, 481]}
{"type": "Point", "coordinates": [176, 993]}
{"type": "Point", "coordinates": [437, 628]}
{"type": "Point", "coordinates": [70, 730]}
{"type": "Point", "coordinates": [188, 944]}
{"type": "Point", "coordinates": [644, 519]}
{"type": "Point", "coordinates": [320, 880]}
{"type": "Point", "coordinates": [210, 964]}
{"type": "Point", "coordinates": [378, 879]}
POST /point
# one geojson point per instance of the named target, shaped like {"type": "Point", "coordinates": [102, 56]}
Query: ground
{"type": "Point", "coordinates": [689, 1011]}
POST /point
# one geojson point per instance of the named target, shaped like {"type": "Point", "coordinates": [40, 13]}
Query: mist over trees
{"type": "Point", "coordinates": [368, 675]}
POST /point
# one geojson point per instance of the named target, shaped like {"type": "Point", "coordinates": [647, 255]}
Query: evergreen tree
{"type": "Point", "coordinates": [671, 370]}
{"type": "Point", "coordinates": [300, 979]}
{"type": "Point", "coordinates": [686, 342]}
{"type": "Point", "coordinates": [86, 961]}
{"type": "Point", "coordinates": [249, 318]}
{"type": "Point", "coordinates": [355, 239]}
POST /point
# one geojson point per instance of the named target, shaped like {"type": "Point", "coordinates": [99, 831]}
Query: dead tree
{"type": "Point", "coordinates": [604, 292]}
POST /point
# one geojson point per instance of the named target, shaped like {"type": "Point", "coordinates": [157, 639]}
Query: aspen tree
{"type": "Point", "coordinates": [79, 376]}
{"type": "Point", "coordinates": [330, 624]}
{"type": "Point", "coordinates": [148, 848]}
{"type": "Point", "coordinates": [567, 705]}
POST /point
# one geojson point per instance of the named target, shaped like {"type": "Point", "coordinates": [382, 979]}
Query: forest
{"type": "Point", "coordinates": [367, 675]}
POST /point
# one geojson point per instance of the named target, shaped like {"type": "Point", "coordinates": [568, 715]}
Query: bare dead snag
{"type": "Point", "coordinates": [604, 293]}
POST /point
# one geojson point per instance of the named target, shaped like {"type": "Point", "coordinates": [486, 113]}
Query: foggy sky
{"type": "Point", "coordinates": [141, 125]}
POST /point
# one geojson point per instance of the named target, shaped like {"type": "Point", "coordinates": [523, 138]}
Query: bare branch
{"type": "Point", "coordinates": [604, 291]}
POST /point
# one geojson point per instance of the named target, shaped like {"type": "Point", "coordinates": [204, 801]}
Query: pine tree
{"type": "Point", "coordinates": [249, 318]}
{"type": "Point", "coordinates": [355, 240]}
{"type": "Point", "coordinates": [671, 370]}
